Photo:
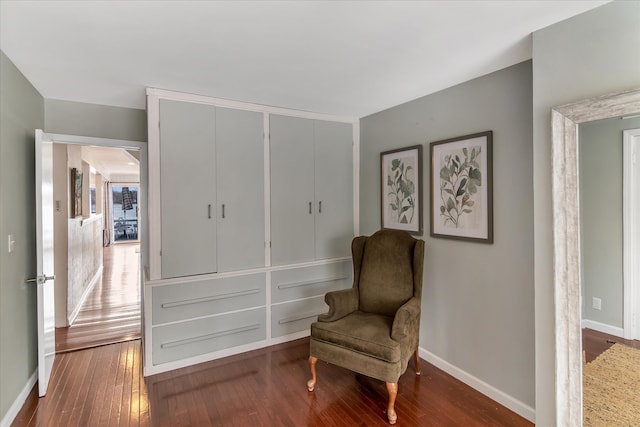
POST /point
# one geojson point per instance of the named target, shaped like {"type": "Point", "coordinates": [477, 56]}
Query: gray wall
{"type": "Point", "coordinates": [21, 112]}
{"type": "Point", "coordinates": [76, 118]}
{"type": "Point", "coordinates": [601, 230]}
{"type": "Point", "coordinates": [591, 54]}
{"type": "Point", "coordinates": [478, 311]}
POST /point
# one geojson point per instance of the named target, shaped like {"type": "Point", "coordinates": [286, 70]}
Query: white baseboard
{"type": "Point", "coordinates": [499, 396]}
{"type": "Point", "coordinates": [85, 294]}
{"type": "Point", "coordinates": [603, 327]}
{"type": "Point", "coordinates": [17, 404]}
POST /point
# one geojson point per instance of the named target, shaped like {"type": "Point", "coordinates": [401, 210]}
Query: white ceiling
{"type": "Point", "coordinates": [348, 58]}
{"type": "Point", "coordinates": [112, 163]}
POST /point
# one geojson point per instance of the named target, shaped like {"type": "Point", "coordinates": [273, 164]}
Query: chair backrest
{"type": "Point", "coordinates": [389, 261]}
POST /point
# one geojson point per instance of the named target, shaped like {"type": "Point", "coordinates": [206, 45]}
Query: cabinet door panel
{"type": "Point", "coordinates": [188, 188]}
{"type": "Point", "coordinates": [333, 189]}
{"type": "Point", "coordinates": [240, 178]}
{"type": "Point", "coordinates": [292, 190]}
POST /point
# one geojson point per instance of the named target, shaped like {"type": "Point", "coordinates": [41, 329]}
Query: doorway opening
{"type": "Point", "coordinates": [566, 251]}
{"type": "Point", "coordinates": [98, 293]}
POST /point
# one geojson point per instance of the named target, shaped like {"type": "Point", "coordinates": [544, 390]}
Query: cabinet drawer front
{"type": "Point", "coordinates": [296, 316]}
{"type": "Point", "coordinates": [188, 300]}
{"type": "Point", "coordinates": [195, 337]}
{"type": "Point", "coordinates": [287, 285]}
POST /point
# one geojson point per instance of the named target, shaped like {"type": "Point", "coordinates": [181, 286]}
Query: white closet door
{"type": "Point", "coordinates": [240, 177]}
{"type": "Point", "coordinates": [292, 190]}
{"type": "Point", "coordinates": [333, 189]}
{"type": "Point", "coordinates": [188, 188]}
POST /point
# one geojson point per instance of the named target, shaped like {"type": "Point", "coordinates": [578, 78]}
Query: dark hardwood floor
{"type": "Point", "coordinates": [111, 312]}
{"type": "Point", "coordinates": [104, 385]}
{"type": "Point", "coordinates": [594, 343]}
{"type": "Point", "coordinates": [266, 387]}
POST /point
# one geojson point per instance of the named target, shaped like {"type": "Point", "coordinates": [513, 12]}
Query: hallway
{"type": "Point", "coordinates": [111, 312]}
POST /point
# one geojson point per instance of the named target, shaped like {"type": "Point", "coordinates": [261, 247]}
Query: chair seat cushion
{"type": "Point", "coordinates": [366, 333]}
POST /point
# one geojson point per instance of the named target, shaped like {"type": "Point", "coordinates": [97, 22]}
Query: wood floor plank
{"type": "Point", "coordinates": [111, 312]}
{"type": "Point", "coordinates": [595, 343]}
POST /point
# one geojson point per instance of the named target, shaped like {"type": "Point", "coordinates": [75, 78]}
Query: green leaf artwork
{"type": "Point", "coordinates": [401, 191]}
{"type": "Point", "coordinates": [460, 178]}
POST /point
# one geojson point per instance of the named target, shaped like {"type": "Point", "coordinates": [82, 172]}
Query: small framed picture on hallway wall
{"type": "Point", "coordinates": [76, 193]}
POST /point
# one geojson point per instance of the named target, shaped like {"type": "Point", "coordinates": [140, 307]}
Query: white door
{"type": "Point", "coordinates": [44, 248]}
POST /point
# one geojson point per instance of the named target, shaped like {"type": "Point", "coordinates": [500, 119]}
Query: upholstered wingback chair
{"type": "Point", "coordinates": [373, 328]}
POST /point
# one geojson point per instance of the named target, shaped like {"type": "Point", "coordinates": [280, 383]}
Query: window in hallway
{"type": "Point", "coordinates": [125, 213]}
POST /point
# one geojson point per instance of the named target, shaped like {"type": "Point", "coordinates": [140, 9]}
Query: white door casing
{"type": "Point", "coordinates": [44, 258]}
{"type": "Point", "coordinates": [566, 242]}
{"type": "Point", "coordinates": [631, 232]}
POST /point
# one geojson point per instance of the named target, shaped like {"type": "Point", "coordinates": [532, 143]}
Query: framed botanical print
{"type": "Point", "coordinates": [462, 188]}
{"type": "Point", "coordinates": [401, 189]}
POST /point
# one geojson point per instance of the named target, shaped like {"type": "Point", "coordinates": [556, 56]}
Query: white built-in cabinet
{"type": "Point", "coordinates": [251, 217]}
{"type": "Point", "coordinates": [212, 191]}
{"type": "Point", "coordinates": [311, 189]}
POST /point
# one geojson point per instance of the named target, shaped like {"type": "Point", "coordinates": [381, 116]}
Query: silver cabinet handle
{"type": "Point", "coordinates": [223, 211]}
{"type": "Point", "coordinates": [320, 206]}
{"type": "Point", "coordinates": [209, 211]}
{"type": "Point", "coordinates": [310, 211]}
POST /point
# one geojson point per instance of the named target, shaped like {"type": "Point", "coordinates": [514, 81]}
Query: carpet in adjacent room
{"type": "Point", "coordinates": [611, 388]}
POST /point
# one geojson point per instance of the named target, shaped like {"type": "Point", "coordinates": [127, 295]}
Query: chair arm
{"type": "Point", "coordinates": [340, 304]}
{"type": "Point", "coordinates": [406, 324]}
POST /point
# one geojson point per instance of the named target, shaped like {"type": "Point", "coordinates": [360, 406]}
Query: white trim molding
{"type": "Point", "coordinates": [11, 414]}
{"type": "Point", "coordinates": [240, 105]}
{"type": "Point", "coordinates": [488, 390]}
{"type": "Point", "coordinates": [92, 283]}
{"type": "Point", "coordinates": [566, 242]}
{"type": "Point", "coordinates": [631, 234]}
{"type": "Point", "coordinates": [602, 327]}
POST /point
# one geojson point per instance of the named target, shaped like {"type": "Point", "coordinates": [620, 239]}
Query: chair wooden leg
{"type": "Point", "coordinates": [392, 389]}
{"type": "Point", "coordinates": [311, 384]}
{"type": "Point", "coordinates": [416, 362]}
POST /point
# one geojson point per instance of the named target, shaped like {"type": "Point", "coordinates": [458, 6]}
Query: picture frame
{"type": "Point", "coordinates": [76, 193]}
{"type": "Point", "coordinates": [401, 189]}
{"type": "Point", "coordinates": [461, 188]}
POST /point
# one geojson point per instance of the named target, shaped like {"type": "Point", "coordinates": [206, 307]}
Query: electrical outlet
{"type": "Point", "coordinates": [596, 304]}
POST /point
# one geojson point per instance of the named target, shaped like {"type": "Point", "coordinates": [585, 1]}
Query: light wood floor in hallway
{"type": "Point", "coordinates": [111, 312]}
